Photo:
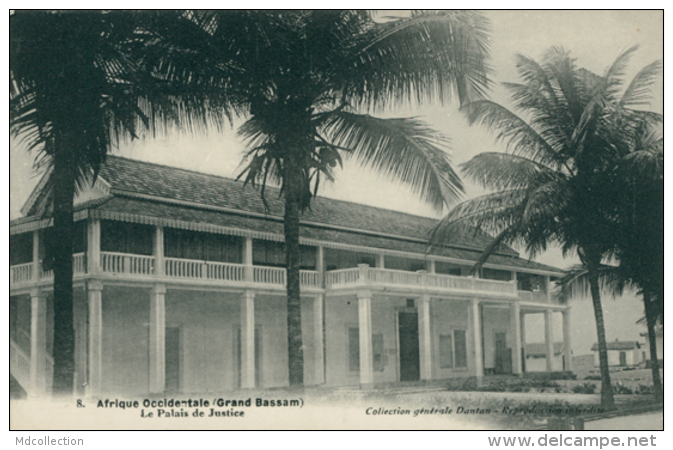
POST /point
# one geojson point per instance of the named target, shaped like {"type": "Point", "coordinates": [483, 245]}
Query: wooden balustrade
{"type": "Point", "coordinates": [126, 263]}
{"type": "Point", "coordinates": [21, 273]}
{"type": "Point", "coordinates": [268, 275]}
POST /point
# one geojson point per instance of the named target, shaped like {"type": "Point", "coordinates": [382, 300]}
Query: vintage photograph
{"type": "Point", "coordinates": [336, 219]}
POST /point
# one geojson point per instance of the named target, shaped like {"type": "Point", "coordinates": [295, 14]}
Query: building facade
{"type": "Point", "coordinates": [180, 287]}
{"type": "Point", "coordinates": [621, 354]}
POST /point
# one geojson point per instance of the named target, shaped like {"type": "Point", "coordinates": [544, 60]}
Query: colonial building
{"type": "Point", "coordinates": [180, 287]}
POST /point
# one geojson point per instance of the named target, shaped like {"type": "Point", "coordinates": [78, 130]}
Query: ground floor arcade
{"type": "Point", "coordinates": [156, 338]}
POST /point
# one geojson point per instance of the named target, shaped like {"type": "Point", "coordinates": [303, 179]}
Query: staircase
{"type": "Point", "coordinates": [20, 370]}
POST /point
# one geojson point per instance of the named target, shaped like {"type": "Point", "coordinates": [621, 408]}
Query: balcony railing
{"type": "Point", "coordinates": [22, 274]}
{"type": "Point", "coordinates": [143, 266]}
{"type": "Point", "coordinates": [374, 276]}
{"type": "Point", "coordinates": [124, 263]}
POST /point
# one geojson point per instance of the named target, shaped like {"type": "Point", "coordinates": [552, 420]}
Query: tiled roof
{"type": "Point", "coordinates": [155, 191]}
{"type": "Point", "coordinates": [540, 349]}
{"type": "Point", "coordinates": [188, 186]}
{"type": "Point", "coordinates": [618, 345]}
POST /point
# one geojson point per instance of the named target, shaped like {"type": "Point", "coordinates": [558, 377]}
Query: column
{"type": "Point", "coordinates": [567, 343]}
{"type": "Point", "coordinates": [380, 261]}
{"type": "Point", "coordinates": [36, 256]}
{"type": "Point", "coordinates": [38, 343]}
{"type": "Point", "coordinates": [158, 245]}
{"type": "Point", "coordinates": [247, 259]}
{"type": "Point", "coordinates": [515, 326]}
{"type": "Point", "coordinates": [547, 286]}
{"type": "Point", "coordinates": [431, 266]}
{"type": "Point", "coordinates": [248, 339]}
{"type": "Point", "coordinates": [93, 246]}
{"type": "Point", "coordinates": [425, 337]}
{"type": "Point", "coordinates": [476, 338]}
{"type": "Point", "coordinates": [320, 264]}
{"type": "Point", "coordinates": [523, 342]}
{"type": "Point", "coordinates": [318, 345]}
{"type": "Point", "coordinates": [95, 297]}
{"type": "Point", "coordinates": [549, 339]}
{"type": "Point", "coordinates": [158, 339]}
{"type": "Point", "coordinates": [365, 335]}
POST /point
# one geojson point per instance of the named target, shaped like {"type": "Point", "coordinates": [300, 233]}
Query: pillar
{"type": "Point", "coordinates": [549, 339]}
{"type": "Point", "coordinates": [431, 266]}
{"type": "Point", "coordinates": [247, 259]}
{"type": "Point", "coordinates": [365, 337]}
{"type": "Point", "coordinates": [38, 343]}
{"type": "Point", "coordinates": [567, 344]}
{"type": "Point", "coordinates": [425, 337]}
{"type": "Point", "coordinates": [320, 264]}
{"type": "Point", "coordinates": [158, 339]}
{"type": "Point", "coordinates": [476, 339]}
{"type": "Point", "coordinates": [380, 261]}
{"type": "Point", "coordinates": [159, 251]}
{"type": "Point", "coordinates": [523, 341]}
{"type": "Point", "coordinates": [318, 345]}
{"type": "Point", "coordinates": [36, 256]}
{"type": "Point", "coordinates": [93, 246]}
{"type": "Point", "coordinates": [95, 298]}
{"type": "Point", "coordinates": [515, 326]}
{"type": "Point", "coordinates": [248, 339]}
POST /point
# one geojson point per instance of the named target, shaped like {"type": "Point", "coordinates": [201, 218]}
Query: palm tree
{"type": "Point", "coordinates": [553, 184]}
{"type": "Point", "coordinates": [78, 87]}
{"type": "Point", "coordinates": [306, 81]}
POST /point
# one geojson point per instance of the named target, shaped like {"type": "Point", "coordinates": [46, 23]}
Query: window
{"type": "Point", "coordinates": [378, 355]}
{"type": "Point", "coordinates": [453, 350]}
{"type": "Point", "coordinates": [460, 345]}
{"type": "Point", "coordinates": [445, 351]}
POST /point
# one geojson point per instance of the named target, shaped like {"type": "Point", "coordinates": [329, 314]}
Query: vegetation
{"type": "Point", "coordinates": [555, 182]}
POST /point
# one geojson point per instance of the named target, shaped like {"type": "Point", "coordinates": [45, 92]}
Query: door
{"type": "Point", "coordinates": [410, 369]}
{"type": "Point", "coordinates": [503, 355]}
{"type": "Point", "coordinates": [173, 346]}
{"type": "Point", "coordinates": [622, 358]}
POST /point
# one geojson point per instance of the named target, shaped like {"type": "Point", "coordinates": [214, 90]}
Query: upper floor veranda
{"type": "Point", "coordinates": [143, 223]}
{"type": "Point", "coordinates": [135, 254]}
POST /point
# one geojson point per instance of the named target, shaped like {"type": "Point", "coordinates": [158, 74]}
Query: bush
{"type": "Point", "coordinates": [645, 389]}
{"type": "Point", "coordinates": [593, 377]}
{"type": "Point", "coordinates": [586, 388]}
{"type": "Point", "coordinates": [621, 389]}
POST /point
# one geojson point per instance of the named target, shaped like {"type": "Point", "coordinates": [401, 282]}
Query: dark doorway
{"type": "Point", "coordinates": [503, 355]}
{"type": "Point", "coordinates": [173, 359]}
{"type": "Point", "coordinates": [409, 352]}
{"type": "Point", "coordinates": [622, 358]}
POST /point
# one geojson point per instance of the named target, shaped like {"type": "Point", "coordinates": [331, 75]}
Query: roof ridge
{"type": "Point", "coordinates": [276, 188]}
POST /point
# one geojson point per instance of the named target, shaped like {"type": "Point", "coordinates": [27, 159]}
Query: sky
{"type": "Point", "coordinates": [594, 38]}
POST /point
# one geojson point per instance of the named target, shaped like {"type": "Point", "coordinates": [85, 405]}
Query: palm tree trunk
{"type": "Point", "coordinates": [607, 396]}
{"type": "Point", "coordinates": [651, 319]}
{"type": "Point", "coordinates": [62, 245]}
{"type": "Point", "coordinates": [292, 185]}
